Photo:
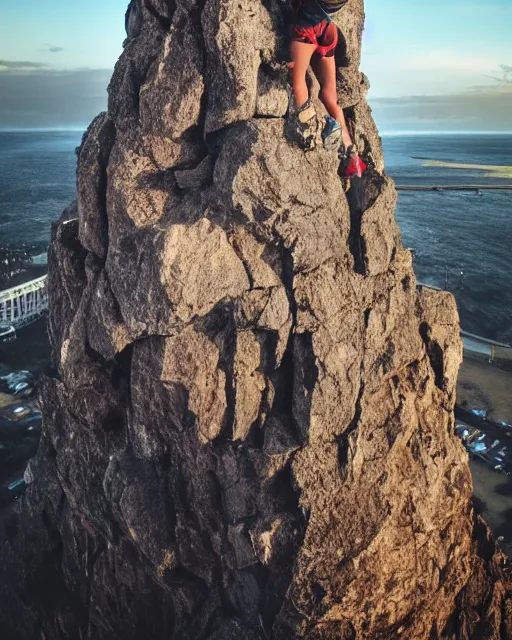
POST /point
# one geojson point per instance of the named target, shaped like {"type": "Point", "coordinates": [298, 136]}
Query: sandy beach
{"type": "Point", "coordinates": [492, 493]}
{"type": "Point", "coordinates": [491, 171]}
{"type": "Point", "coordinates": [484, 386]}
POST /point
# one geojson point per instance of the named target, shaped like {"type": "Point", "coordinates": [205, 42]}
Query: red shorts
{"type": "Point", "coordinates": [324, 35]}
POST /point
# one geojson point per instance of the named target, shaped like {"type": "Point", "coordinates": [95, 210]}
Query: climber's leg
{"type": "Point", "coordinates": [301, 53]}
{"type": "Point", "coordinates": [325, 70]}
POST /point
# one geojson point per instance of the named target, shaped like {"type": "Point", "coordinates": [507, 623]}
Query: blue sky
{"type": "Point", "coordinates": [90, 35]}
{"type": "Point", "coordinates": [416, 47]}
{"type": "Point", "coordinates": [450, 50]}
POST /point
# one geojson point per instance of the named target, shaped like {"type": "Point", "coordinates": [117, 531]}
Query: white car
{"type": "Point", "coordinates": [7, 333]}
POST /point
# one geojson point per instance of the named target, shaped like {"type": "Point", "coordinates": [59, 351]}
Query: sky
{"type": "Point", "coordinates": [436, 65]}
{"type": "Point", "coordinates": [439, 64]}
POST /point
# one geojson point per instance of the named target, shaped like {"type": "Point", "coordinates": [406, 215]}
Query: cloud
{"type": "Point", "coordinates": [506, 77]}
{"type": "Point", "coordinates": [478, 109]}
{"type": "Point", "coordinates": [53, 48]}
{"type": "Point", "coordinates": [37, 95]}
{"type": "Point", "coordinates": [49, 98]}
{"type": "Point", "coordinates": [447, 60]}
{"type": "Point", "coordinates": [18, 66]}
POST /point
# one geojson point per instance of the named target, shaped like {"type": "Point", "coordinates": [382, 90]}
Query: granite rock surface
{"type": "Point", "coordinates": [248, 433]}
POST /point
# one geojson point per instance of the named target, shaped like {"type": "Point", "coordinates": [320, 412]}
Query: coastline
{"type": "Point", "coordinates": [485, 387]}
{"type": "Point", "coordinates": [17, 266]}
{"type": "Point", "coordinates": [490, 171]}
{"type": "Point", "coordinates": [492, 499]}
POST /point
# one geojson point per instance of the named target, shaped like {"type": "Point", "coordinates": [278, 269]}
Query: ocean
{"type": "Point", "coordinates": [37, 181]}
{"type": "Point", "coordinates": [461, 239]}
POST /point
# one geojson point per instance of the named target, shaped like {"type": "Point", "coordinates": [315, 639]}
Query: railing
{"type": "Point", "coordinates": [24, 303]}
{"type": "Point", "coordinates": [480, 348]}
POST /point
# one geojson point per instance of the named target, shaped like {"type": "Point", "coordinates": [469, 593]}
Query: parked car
{"type": "Point", "coordinates": [18, 383]}
{"type": "Point", "coordinates": [7, 333]}
{"type": "Point", "coordinates": [464, 431]}
{"type": "Point", "coordinates": [17, 413]}
{"type": "Point", "coordinates": [477, 447]}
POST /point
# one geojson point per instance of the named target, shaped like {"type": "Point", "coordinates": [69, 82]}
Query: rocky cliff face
{"type": "Point", "coordinates": [249, 429]}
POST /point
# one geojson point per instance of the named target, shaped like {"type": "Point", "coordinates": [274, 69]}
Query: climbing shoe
{"type": "Point", "coordinates": [353, 166]}
{"type": "Point", "coordinates": [331, 135]}
{"type": "Point", "coordinates": [307, 126]}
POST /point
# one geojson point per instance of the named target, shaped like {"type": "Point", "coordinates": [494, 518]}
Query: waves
{"type": "Point", "coordinates": [461, 238]}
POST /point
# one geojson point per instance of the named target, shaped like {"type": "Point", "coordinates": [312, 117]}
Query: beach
{"type": "Point", "coordinates": [482, 386]}
{"type": "Point", "coordinates": [492, 493]}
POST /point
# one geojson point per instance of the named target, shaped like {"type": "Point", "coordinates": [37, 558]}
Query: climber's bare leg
{"type": "Point", "coordinates": [325, 71]}
{"type": "Point", "coordinates": [300, 53]}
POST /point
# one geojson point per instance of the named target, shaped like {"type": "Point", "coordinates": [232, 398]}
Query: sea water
{"type": "Point", "coordinates": [37, 181]}
{"type": "Point", "coordinates": [461, 239]}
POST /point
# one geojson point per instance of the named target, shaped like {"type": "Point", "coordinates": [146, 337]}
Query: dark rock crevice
{"type": "Point", "coordinates": [163, 11]}
{"type": "Point", "coordinates": [345, 439]}
{"type": "Point", "coordinates": [435, 354]}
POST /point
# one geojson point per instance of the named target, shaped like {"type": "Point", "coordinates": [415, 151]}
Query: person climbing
{"type": "Point", "coordinates": [314, 38]}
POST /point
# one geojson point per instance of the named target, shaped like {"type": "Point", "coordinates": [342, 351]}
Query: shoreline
{"type": "Point", "coordinates": [492, 499]}
{"type": "Point", "coordinates": [485, 387]}
{"type": "Point", "coordinates": [490, 171]}
{"type": "Point", "coordinates": [17, 266]}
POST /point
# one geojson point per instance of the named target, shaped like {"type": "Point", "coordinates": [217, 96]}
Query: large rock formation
{"type": "Point", "coordinates": [249, 429]}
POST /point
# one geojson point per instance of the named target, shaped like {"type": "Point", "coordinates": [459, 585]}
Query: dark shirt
{"type": "Point", "coordinates": [309, 13]}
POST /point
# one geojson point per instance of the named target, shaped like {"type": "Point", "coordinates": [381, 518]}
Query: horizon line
{"type": "Point", "coordinates": [41, 129]}
{"type": "Point", "coordinates": [445, 133]}
{"type": "Point", "coordinates": [384, 133]}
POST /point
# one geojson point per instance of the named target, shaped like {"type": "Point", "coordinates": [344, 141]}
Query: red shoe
{"type": "Point", "coordinates": [354, 165]}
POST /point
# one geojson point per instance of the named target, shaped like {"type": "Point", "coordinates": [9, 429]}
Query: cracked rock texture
{"type": "Point", "coordinates": [248, 432]}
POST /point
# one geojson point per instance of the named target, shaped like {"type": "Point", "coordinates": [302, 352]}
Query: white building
{"type": "Point", "coordinates": [24, 303]}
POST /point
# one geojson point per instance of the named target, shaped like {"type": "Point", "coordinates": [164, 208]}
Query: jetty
{"type": "Point", "coordinates": [455, 187]}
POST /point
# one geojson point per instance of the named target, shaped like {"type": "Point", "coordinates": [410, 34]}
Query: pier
{"type": "Point", "coordinates": [455, 187]}
{"type": "Point", "coordinates": [24, 303]}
